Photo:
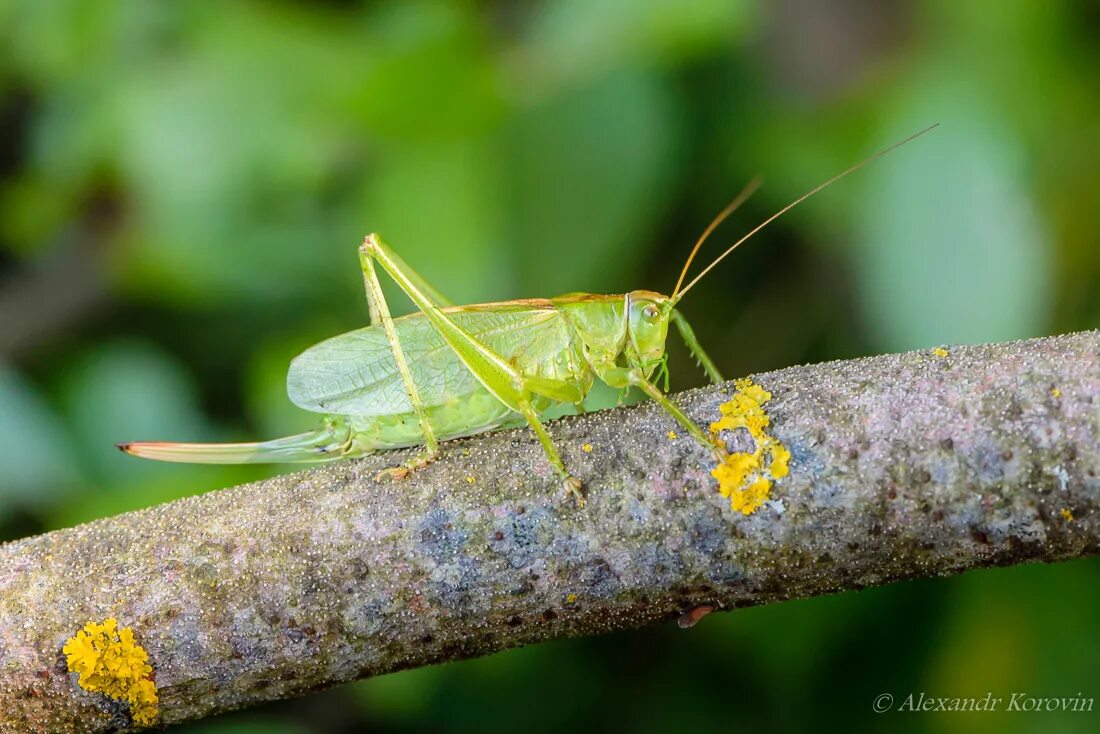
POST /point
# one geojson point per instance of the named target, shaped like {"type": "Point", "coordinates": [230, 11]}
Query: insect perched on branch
{"type": "Point", "coordinates": [447, 371]}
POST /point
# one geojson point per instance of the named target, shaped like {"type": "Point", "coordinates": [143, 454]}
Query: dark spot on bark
{"type": "Point", "coordinates": [892, 493]}
{"type": "Point", "coordinates": [292, 623]}
{"type": "Point", "coordinates": [853, 454]}
{"type": "Point", "coordinates": [549, 615]}
{"type": "Point", "coordinates": [498, 536]}
{"type": "Point", "coordinates": [534, 577]}
{"type": "Point", "coordinates": [938, 515]}
{"type": "Point", "coordinates": [947, 444]}
{"type": "Point", "coordinates": [426, 639]}
{"type": "Point", "coordinates": [875, 529]}
{"type": "Point", "coordinates": [452, 650]}
{"type": "Point", "coordinates": [1006, 455]}
{"type": "Point", "coordinates": [515, 621]}
{"type": "Point", "coordinates": [520, 510]}
{"type": "Point", "coordinates": [979, 535]}
{"type": "Point", "coordinates": [923, 476]}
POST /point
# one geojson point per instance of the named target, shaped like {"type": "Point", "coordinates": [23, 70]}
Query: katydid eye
{"type": "Point", "coordinates": [650, 312]}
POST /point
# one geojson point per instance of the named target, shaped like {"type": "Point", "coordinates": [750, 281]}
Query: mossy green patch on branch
{"type": "Point", "coordinates": [109, 661]}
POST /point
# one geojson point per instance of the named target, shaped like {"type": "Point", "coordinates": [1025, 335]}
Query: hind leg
{"type": "Point", "coordinates": [499, 377]}
{"type": "Point", "coordinates": [380, 312]}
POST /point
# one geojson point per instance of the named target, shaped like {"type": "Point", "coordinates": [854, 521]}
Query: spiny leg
{"type": "Point", "coordinates": [380, 312]}
{"type": "Point", "coordinates": [696, 349]}
{"type": "Point", "coordinates": [624, 376]}
{"type": "Point", "coordinates": [499, 377]}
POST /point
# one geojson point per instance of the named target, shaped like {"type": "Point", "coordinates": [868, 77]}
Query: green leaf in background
{"type": "Point", "coordinates": [590, 172]}
{"type": "Point", "coordinates": [131, 391]}
{"type": "Point", "coordinates": [972, 656]}
{"type": "Point", "coordinates": [35, 451]}
{"type": "Point", "coordinates": [400, 699]}
{"type": "Point", "coordinates": [440, 205]}
{"type": "Point", "coordinates": [573, 40]}
{"type": "Point", "coordinates": [950, 248]}
{"type": "Point", "coordinates": [431, 75]}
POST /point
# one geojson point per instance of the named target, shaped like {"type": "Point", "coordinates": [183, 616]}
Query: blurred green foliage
{"type": "Point", "coordinates": [182, 186]}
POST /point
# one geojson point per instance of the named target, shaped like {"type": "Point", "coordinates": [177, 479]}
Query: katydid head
{"type": "Point", "coordinates": [648, 314]}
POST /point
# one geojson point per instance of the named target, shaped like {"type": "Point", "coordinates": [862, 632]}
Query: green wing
{"type": "Point", "coordinates": [354, 373]}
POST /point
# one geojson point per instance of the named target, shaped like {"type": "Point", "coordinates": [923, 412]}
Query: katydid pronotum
{"type": "Point", "coordinates": [448, 371]}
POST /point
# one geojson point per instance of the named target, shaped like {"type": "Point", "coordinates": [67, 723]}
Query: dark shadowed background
{"type": "Point", "coordinates": [183, 185]}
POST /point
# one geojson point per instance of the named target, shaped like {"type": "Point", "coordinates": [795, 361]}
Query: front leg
{"type": "Point", "coordinates": [632, 377]}
{"type": "Point", "coordinates": [696, 349]}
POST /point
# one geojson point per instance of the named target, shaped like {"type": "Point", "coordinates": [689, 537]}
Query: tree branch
{"type": "Point", "coordinates": [901, 466]}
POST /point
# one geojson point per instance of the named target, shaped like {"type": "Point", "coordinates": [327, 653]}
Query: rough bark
{"type": "Point", "coordinates": [902, 466]}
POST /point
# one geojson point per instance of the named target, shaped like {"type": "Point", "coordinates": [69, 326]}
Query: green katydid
{"type": "Point", "coordinates": [448, 371]}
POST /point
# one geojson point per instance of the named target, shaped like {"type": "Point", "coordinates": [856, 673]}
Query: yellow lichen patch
{"type": "Point", "coordinates": [746, 479]}
{"type": "Point", "coordinates": [940, 352]}
{"type": "Point", "coordinates": [1055, 392]}
{"type": "Point", "coordinates": [109, 661]}
{"type": "Point", "coordinates": [587, 448]}
{"type": "Point", "coordinates": [570, 598]}
{"type": "Point", "coordinates": [1066, 514]}
{"type": "Point", "coordinates": [672, 436]}
{"type": "Point", "coordinates": [469, 479]}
